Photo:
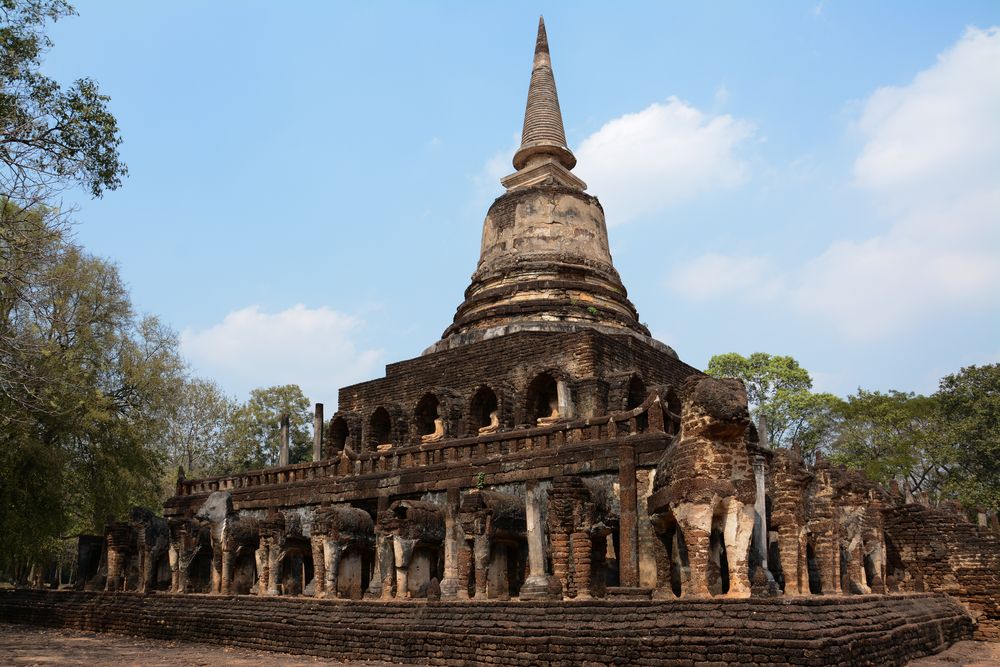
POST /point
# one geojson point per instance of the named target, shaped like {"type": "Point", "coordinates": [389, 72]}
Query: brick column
{"type": "Point", "coordinates": [628, 558]}
{"type": "Point", "coordinates": [318, 433]}
{"type": "Point", "coordinates": [481, 552]}
{"type": "Point", "coordinates": [560, 558]}
{"type": "Point", "coordinates": [319, 566]}
{"type": "Point", "coordinates": [464, 568]}
{"type": "Point", "coordinates": [581, 564]}
{"type": "Point", "coordinates": [453, 536]}
{"type": "Point", "coordinates": [283, 450]}
{"type": "Point", "coordinates": [536, 586]}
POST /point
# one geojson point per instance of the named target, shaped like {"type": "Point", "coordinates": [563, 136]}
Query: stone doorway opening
{"type": "Point", "coordinates": [483, 405]}
{"type": "Point", "coordinates": [426, 414]}
{"type": "Point", "coordinates": [718, 563]}
{"type": "Point", "coordinates": [379, 428]}
{"type": "Point", "coordinates": [542, 400]}
{"type": "Point", "coordinates": [339, 433]}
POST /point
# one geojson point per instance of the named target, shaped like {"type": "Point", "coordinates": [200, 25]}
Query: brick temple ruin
{"type": "Point", "coordinates": [550, 468]}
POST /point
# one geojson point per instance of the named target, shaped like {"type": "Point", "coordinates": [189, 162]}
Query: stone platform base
{"type": "Point", "coordinates": [857, 630]}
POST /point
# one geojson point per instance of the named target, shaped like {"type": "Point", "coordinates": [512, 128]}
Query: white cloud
{"type": "Point", "coordinates": [714, 276]}
{"type": "Point", "coordinates": [931, 167]}
{"type": "Point", "coordinates": [643, 163]}
{"type": "Point", "coordinates": [931, 163]}
{"type": "Point", "coordinates": [317, 348]}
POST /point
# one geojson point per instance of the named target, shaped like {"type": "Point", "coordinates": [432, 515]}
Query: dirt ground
{"type": "Point", "coordinates": [26, 645]}
{"type": "Point", "coordinates": [964, 654]}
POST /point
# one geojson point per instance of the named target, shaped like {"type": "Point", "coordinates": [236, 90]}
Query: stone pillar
{"type": "Point", "coordinates": [332, 551]}
{"type": "Point", "coordinates": [560, 558]}
{"type": "Point", "coordinates": [628, 558]}
{"type": "Point", "coordinates": [762, 434]}
{"type": "Point", "coordinates": [581, 564]}
{"type": "Point", "coordinates": [536, 586]}
{"type": "Point", "coordinates": [173, 557]}
{"type": "Point", "coordinates": [564, 400]}
{"type": "Point", "coordinates": [790, 552]}
{"type": "Point", "coordinates": [402, 551]}
{"type": "Point", "coordinates": [260, 555]}
{"type": "Point", "coordinates": [273, 567]}
{"type": "Point", "coordinates": [227, 571]}
{"type": "Point", "coordinates": [319, 566]}
{"type": "Point", "coordinates": [283, 451]}
{"type": "Point", "coordinates": [481, 552]}
{"type": "Point", "coordinates": [383, 556]}
{"type": "Point", "coordinates": [464, 568]}
{"type": "Point", "coordinates": [453, 537]}
{"type": "Point", "coordinates": [386, 568]}
{"type": "Point", "coordinates": [695, 522]}
{"type": "Point", "coordinates": [760, 506]}
{"type": "Point", "coordinates": [981, 518]}
{"type": "Point", "coordinates": [318, 433]}
{"type": "Point", "coordinates": [115, 565]}
{"type": "Point", "coordinates": [827, 551]}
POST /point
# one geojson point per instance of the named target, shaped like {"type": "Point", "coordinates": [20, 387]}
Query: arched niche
{"type": "Point", "coordinates": [673, 417]}
{"type": "Point", "coordinates": [815, 581]}
{"type": "Point", "coordinates": [481, 408]}
{"type": "Point", "coordinates": [636, 394]}
{"type": "Point", "coordinates": [425, 414]}
{"type": "Point", "coordinates": [379, 428]}
{"type": "Point", "coordinates": [718, 561]}
{"type": "Point", "coordinates": [634, 397]}
{"type": "Point", "coordinates": [340, 432]}
{"type": "Point", "coordinates": [542, 399]}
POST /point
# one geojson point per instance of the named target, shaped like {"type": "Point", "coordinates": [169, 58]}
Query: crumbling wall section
{"type": "Point", "coordinates": [861, 630]}
{"type": "Point", "coordinates": [938, 550]}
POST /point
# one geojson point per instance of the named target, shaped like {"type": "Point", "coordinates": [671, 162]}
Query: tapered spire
{"type": "Point", "coordinates": [543, 133]}
{"type": "Point", "coordinates": [544, 261]}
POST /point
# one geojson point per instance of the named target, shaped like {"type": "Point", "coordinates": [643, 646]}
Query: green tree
{"type": "Point", "coordinates": [100, 381]}
{"type": "Point", "coordinates": [779, 388]}
{"type": "Point", "coordinates": [50, 139]}
{"type": "Point", "coordinates": [196, 429]}
{"type": "Point", "coordinates": [253, 437]}
{"type": "Point", "coordinates": [970, 406]}
{"type": "Point", "coordinates": [51, 136]}
{"type": "Point", "coordinates": [893, 435]}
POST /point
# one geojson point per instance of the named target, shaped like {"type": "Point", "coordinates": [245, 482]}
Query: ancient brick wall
{"type": "Point", "coordinates": [861, 630]}
{"type": "Point", "coordinates": [936, 550]}
{"type": "Point", "coordinates": [594, 365]}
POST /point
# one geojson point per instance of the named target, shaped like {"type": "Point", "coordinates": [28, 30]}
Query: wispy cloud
{"type": "Point", "coordinates": [319, 349]}
{"type": "Point", "coordinates": [643, 163]}
{"type": "Point", "coordinates": [714, 276]}
{"type": "Point", "coordinates": [930, 165]}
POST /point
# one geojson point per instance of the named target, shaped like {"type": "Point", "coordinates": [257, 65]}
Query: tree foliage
{"type": "Point", "coordinates": [779, 388]}
{"type": "Point", "coordinates": [946, 444]}
{"type": "Point", "coordinates": [84, 382]}
{"type": "Point", "coordinates": [196, 429]}
{"type": "Point", "coordinates": [970, 408]}
{"type": "Point", "coordinates": [50, 137]}
{"type": "Point", "coordinates": [893, 436]}
{"type": "Point", "coordinates": [253, 437]}
{"type": "Point", "coordinates": [88, 384]}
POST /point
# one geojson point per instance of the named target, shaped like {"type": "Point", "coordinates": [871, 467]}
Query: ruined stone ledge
{"type": "Point", "coordinates": [857, 630]}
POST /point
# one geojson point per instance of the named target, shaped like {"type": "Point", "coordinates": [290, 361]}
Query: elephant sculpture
{"type": "Point", "coordinates": [185, 543]}
{"type": "Point", "coordinates": [703, 491]}
{"type": "Point", "coordinates": [339, 531]}
{"type": "Point", "coordinates": [409, 538]}
{"type": "Point", "coordinates": [233, 535]}
{"type": "Point", "coordinates": [495, 531]}
{"type": "Point", "coordinates": [152, 541]}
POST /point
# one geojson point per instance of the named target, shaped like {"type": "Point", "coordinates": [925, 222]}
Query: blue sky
{"type": "Point", "coordinates": [307, 183]}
